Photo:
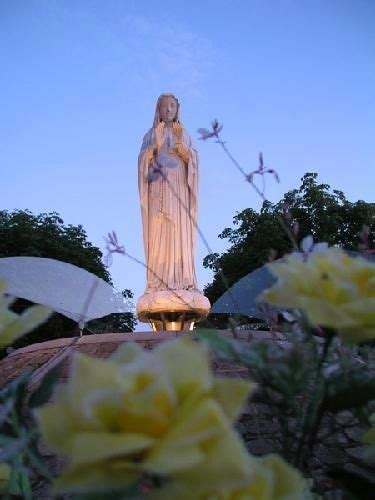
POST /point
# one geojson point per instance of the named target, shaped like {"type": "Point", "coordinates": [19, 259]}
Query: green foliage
{"type": "Point", "coordinates": [18, 440]}
{"type": "Point", "coordinates": [115, 323]}
{"type": "Point", "coordinates": [324, 213]}
{"type": "Point", "coordinates": [351, 382]}
{"type": "Point", "coordinates": [44, 391]}
{"type": "Point", "coordinates": [45, 235]}
{"type": "Point", "coordinates": [306, 385]}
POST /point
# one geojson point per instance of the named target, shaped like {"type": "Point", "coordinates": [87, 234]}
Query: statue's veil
{"type": "Point", "coordinates": [157, 114]}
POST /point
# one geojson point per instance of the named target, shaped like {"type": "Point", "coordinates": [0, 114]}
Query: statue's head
{"type": "Point", "coordinates": [167, 109]}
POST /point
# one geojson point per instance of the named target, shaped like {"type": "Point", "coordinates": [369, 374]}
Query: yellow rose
{"type": "Point", "coordinates": [13, 325]}
{"type": "Point", "coordinates": [159, 412]}
{"type": "Point", "coordinates": [273, 479]}
{"type": "Point", "coordinates": [270, 478]}
{"type": "Point", "coordinates": [332, 288]}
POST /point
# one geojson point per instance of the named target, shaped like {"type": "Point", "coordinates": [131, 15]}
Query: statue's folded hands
{"type": "Point", "coordinates": [182, 152]}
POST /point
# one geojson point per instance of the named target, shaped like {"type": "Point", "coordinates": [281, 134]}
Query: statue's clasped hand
{"type": "Point", "coordinates": [177, 132]}
{"type": "Point", "coordinates": [181, 150]}
{"type": "Point", "coordinates": [160, 134]}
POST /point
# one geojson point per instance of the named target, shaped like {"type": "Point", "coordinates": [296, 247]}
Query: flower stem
{"type": "Point", "coordinates": [313, 409]}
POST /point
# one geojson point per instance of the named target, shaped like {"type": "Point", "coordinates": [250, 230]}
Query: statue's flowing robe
{"type": "Point", "coordinates": [169, 213]}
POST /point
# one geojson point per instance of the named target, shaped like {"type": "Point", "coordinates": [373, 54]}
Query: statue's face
{"type": "Point", "coordinates": [168, 109]}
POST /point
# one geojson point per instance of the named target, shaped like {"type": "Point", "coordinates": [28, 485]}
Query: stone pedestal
{"type": "Point", "coordinates": [172, 310]}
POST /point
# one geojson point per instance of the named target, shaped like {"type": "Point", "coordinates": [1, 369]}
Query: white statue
{"type": "Point", "coordinates": [168, 168]}
{"type": "Point", "coordinates": [169, 200]}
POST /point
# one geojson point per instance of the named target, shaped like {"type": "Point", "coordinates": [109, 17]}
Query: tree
{"type": "Point", "coordinates": [318, 210]}
{"type": "Point", "coordinates": [119, 323]}
{"type": "Point", "coordinates": [45, 235]}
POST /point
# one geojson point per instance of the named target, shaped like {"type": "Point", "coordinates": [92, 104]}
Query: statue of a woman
{"type": "Point", "coordinates": [168, 186]}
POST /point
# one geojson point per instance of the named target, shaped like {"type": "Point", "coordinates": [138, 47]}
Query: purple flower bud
{"type": "Point", "coordinates": [261, 160]}
{"type": "Point", "coordinates": [205, 134]}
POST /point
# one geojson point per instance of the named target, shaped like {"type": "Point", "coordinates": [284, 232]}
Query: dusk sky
{"type": "Point", "coordinates": [79, 80]}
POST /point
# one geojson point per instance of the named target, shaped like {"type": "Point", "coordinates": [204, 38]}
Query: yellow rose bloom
{"type": "Point", "coordinates": [12, 325]}
{"type": "Point", "coordinates": [273, 479]}
{"type": "Point", "coordinates": [158, 412]}
{"type": "Point", "coordinates": [332, 288]}
{"type": "Point", "coordinates": [270, 478]}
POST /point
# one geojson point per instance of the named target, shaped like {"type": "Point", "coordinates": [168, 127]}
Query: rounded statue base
{"type": "Point", "coordinates": [172, 310]}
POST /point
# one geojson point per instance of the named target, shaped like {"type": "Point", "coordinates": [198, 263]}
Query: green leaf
{"type": "Point", "coordinates": [6, 439]}
{"type": "Point", "coordinates": [37, 463]}
{"type": "Point", "coordinates": [25, 485]}
{"type": "Point", "coordinates": [355, 395]}
{"type": "Point", "coordinates": [13, 486]}
{"type": "Point", "coordinates": [44, 392]}
{"type": "Point", "coordinates": [13, 386]}
{"type": "Point", "coordinates": [5, 410]}
{"type": "Point", "coordinates": [219, 343]}
{"type": "Point", "coordinates": [10, 451]}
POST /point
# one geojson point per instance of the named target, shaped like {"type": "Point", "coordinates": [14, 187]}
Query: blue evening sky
{"type": "Point", "coordinates": [79, 79]}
